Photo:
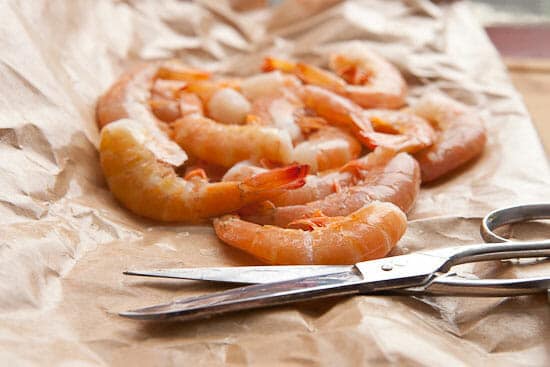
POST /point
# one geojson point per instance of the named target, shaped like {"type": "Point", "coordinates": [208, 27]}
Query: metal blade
{"type": "Point", "coordinates": [369, 276]}
{"type": "Point", "coordinates": [253, 296]}
{"type": "Point", "coordinates": [244, 274]}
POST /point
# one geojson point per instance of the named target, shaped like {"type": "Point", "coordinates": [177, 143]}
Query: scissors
{"type": "Point", "coordinates": [419, 273]}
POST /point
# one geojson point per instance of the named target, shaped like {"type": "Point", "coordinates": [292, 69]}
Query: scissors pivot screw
{"type": "Point", "coordinates": [387, 267]}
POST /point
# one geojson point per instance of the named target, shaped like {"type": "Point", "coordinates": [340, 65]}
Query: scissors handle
{"type": "Point", "coordinates": [511, 215]}
{"type": "Point", "coordinates": [501, 248]}
{"type": "Point", "coordinates": [494, 251]}
{"type": "Point", "coordinates": [456, 285]}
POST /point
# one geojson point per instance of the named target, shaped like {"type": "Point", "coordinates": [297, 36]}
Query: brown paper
{"type": "Point", "coordinates": [64, 241]}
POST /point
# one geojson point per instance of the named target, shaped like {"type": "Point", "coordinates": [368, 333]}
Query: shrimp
{"type": "Point", "coordinates": [128, 98]}
{"type": "Point", "coordinates": [336, 110]}
{"type": "Point", "coordinates": [361, 75]}
{"type": "Point", "coordinates": [228, 106]}
{"type": "Point", "coordinates": [461, 135]}
{"type": "Point", "coordinates": [317, 186]}
{"type": "Point", "coordinates": [327, 147]}
{"type": "Point", "coordinates": [373, 82]}
{"type": "Point", "coordinates": [399, 130]}
{"type": "Point", "coordinates": [396, 180]}
{"type": "Point", "coordinates": [279, 112]}
{"type": "Point", "coordinates": [368, 233]}
{"type": "Point", "coordinates": [272, 84]}
{"type": "Point", "coordinates": [226, 145]}
{"type": "Point", "coordinates": [152, 189]}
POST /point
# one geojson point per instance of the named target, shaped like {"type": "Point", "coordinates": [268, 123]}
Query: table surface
{"type": "Point", "coordinates": [532, 79]}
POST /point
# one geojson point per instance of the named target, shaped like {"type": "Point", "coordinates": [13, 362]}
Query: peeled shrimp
{"type": "Point", "coordinates": [228, 106]}
{"type": "Point", "coordinates": [326, 148]}
{"type": "Point", "coordinates": [373, 82]}
{"type": "Point", "coordinates": [152, 189]}
{"type": "Point", "coordinates": [279, 112]}
{"type": "Point", "coordinates": [320, 185]}
{"type": "Point", "coordinates": [335, 109]}
{"type": "Point", "coordinates": [226, 145]}
{"type": "Point", "coordinates": [401, 131]}
{"type": "Point", "coordinates": [368, 233]}
{"type": "Point", "coordinates": [272, 84]}
{"type": "Point", "coordinates": [128, 98]}
{"type": "Point", "coordinates": [361, 75]}
{"type": "Point", "coordinates": [461, 135]}
{"type": "Point", "coordinates": [396, 180]}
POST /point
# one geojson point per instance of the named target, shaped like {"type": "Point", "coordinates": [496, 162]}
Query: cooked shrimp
{"type": "Point", "coordinates": [399, 130]}
{"type": "Point", "coordinates": [461, 135]}
{"type": "Point", "coordinates": [325, 148]}
{"type": "Point", "coordinates": [361, 75]}
{"type": "Point", "coordinates": [242, 170]}
{"type": "Point", "coordinates": [336, 110]}
{"type": "Point", "coordinates": [273, 84]}
{"type": "Point", "coordinates": [317, 186]}
{"type": "Point", "coordinates": [128, 98]}
{"type": "Point", "coordinates": [373, 82]}
{"type": "Point", "coordinates": [396, 181]}
{"type": "Point", "coordinates": [226, 145]}
{"type": "Point", "coordinates": [368, 233]}
{"type": "Point", "coordinates": [308, 73]}
{"type": "Point", "coordinates": [279, 112]}
{"type": "Point", "coordinates": [228, 106]}
{"type": "Point", "coordinates": [152, 189]}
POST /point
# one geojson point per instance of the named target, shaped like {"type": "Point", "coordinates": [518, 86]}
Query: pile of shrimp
{"type": "Point", "coordinates": [294, 165]}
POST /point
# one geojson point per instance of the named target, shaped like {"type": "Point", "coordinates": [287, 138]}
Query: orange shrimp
{"type": "Point", "coordinates": [336, 110]}
{"type": "Point", "coordinates": [151, 188]}
{"type": "Point", "coordinates": [317, 186]}
{"type": "Point", "coordinates": [361, 75]}
{"type": "Point", "coordinates": [226, 145]}
{"type": "Point", "coordinates": [326, 148]}
{"type": "Point", "coordinates": [461, 135]}
{"type": "Point", "coordinates": [128, 98]}
{"type": "Point", "coordinates": [399, 130]}
{"type": "Point", "coordinates": [373, 82]}
{"type": "Point", "coordinates": [396, 180]}
{"type": "Point", "coordinates": [368, 233]}
{"type": "Point", "coordinates": [279, 112]}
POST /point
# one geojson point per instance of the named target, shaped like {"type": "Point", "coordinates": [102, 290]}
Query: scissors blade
{"type": "Point", "coordinates": [244, 274]}
{"type": "Point", "coordinates": [253, 296]}
{"type": "Point", "coordinates": [396, 272]}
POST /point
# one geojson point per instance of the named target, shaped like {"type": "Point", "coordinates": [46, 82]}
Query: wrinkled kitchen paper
{"type": "Point", "coordinates": [64, 240]}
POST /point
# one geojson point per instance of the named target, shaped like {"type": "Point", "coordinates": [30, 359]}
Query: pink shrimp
{"type": "Point", "coordinates": [317, 186]}
{"type": "Point", "coordinates": [361, 75]}
{"type": "Point", "coordinates": [151, 188]}
{"type": "Point", "coordinates": [399, 130]}
{"type": "Point", "coordinates": [461, 135]}
{"type": "Point", "coordinates": [395, 180]}
{"type": "Point", "coordinates": [368, 233]}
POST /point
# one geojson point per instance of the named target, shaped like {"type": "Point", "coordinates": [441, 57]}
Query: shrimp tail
{"type": "Point", "coordinates": [285, 178]}
{"type": "Point", "coordinates": [271, 64]}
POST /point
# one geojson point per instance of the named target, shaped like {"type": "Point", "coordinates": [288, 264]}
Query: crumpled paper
{"type": "Point", "coordinates": [64, 240]}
